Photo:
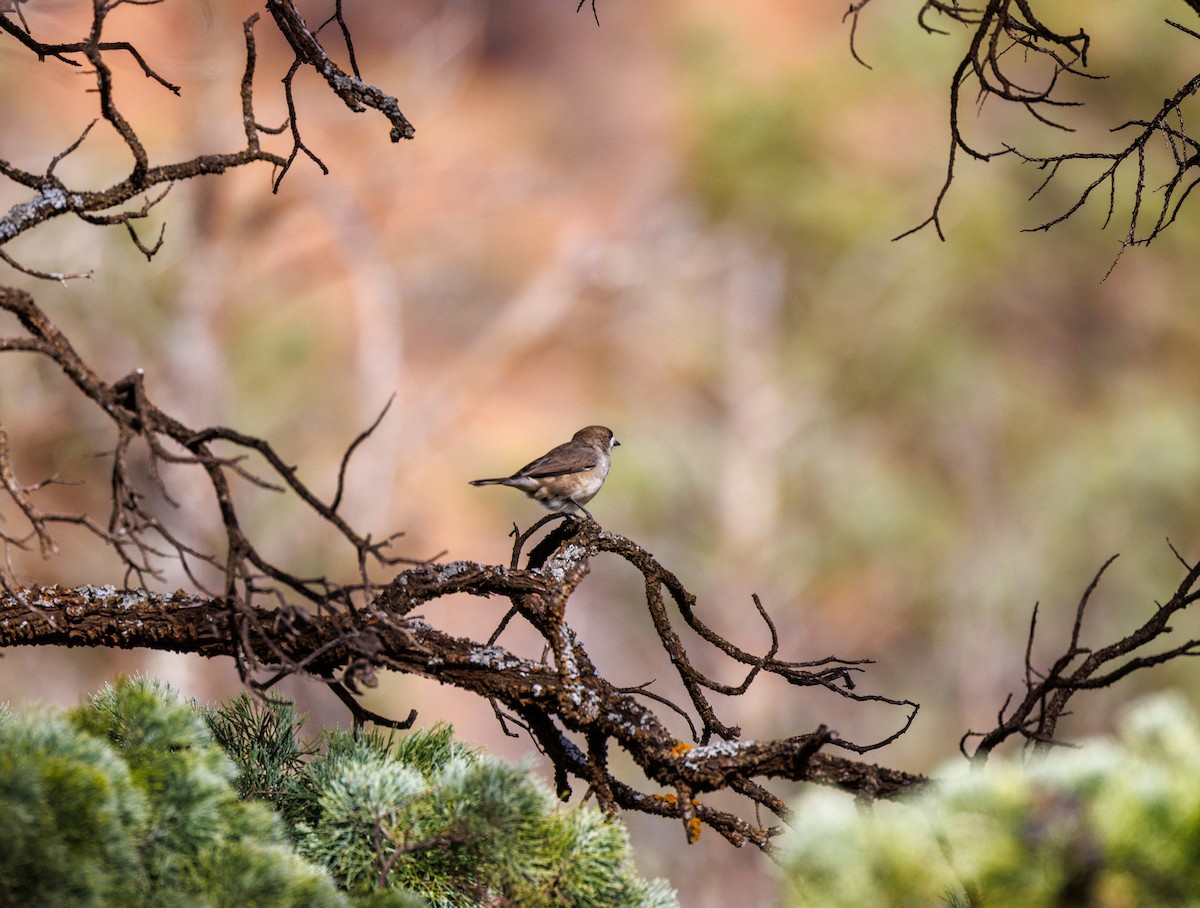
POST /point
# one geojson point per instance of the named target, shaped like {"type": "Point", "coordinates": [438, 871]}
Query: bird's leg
{"type": "Point", "coordinates": [585, 510]}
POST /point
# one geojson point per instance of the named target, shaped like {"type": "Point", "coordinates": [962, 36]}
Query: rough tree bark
{"type": "Point", "coordinates": [558, 701]}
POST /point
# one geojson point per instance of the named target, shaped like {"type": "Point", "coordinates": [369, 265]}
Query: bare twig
{"type": "Point", "coordinates": [51, 197]}
{"type": "Point", "coordinates": [997, 28]}
{"type": "Point", "coordinates": [354, 92]}
{"type": "Point", "coordinates": [1079, 668]}
{"type": "Point", "coordinates": [362, 436]}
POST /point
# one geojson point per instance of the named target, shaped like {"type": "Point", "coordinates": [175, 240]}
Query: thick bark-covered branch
{"type": "Point", "coordinates": [562, 700]}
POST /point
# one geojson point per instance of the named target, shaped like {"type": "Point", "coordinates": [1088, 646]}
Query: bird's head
{"type": "Point", "coordinates": [600, 436]}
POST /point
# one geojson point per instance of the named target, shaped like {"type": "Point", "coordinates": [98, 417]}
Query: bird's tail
{"type": "Point", "coordinates": [489, 482]}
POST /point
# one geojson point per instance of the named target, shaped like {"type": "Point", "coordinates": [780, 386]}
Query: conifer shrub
{"type": "Point", "coordinates": [429, 814]}
{"type": "Point", "coordinates": [128, 801]}
{"type": "Point", "coordinates": [137, 798]}
{"type": "Point", "coordinates": [1113, 824]}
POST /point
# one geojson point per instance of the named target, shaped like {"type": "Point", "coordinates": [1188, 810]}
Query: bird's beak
{"type": "Point", "coordinates": [616, 444]}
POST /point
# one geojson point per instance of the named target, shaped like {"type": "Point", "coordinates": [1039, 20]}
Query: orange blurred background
{"type": "Point", "coordinates": [679, 225]}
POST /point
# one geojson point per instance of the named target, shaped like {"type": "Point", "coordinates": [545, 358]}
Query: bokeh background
{"type": "Point", "coordinates": [678, 224]}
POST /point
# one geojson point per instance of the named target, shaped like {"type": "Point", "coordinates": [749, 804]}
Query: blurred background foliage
{"type": "Point", "coordinates": [678, 224]}
{"type": "Point", "coordinates": [1111, 824]}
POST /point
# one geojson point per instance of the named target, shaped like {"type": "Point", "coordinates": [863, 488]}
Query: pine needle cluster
{"type": "Point", "coordinates": [430, 815]}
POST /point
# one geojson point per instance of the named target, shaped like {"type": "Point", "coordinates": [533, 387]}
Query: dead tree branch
{"type": "Point", "coordinates": [1079, 668]}
{"type": "Point", "coordinates": [136, 531]}
{"type": "Point", "coordinates": [561, 703]}
{"type": "Point", "coordinates": [1184, 150]}
{"type": "Point", "coordinates": [1014, 57]}
{"type": "Point", "coordinates": [354, 92]}
{"type": "Point", "coordinates": [115, 204]}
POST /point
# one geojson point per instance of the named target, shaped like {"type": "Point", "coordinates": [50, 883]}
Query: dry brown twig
{"type": "Point", "coordinates": [115, 204]}
{"type": "Point", "coordinates": [1080, 668]}
{"type": "Point", "coordinates": [1014, 57]}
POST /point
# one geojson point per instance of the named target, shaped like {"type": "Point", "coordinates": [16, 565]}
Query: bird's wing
{"type": "Point", "coordinates": [561, 461]}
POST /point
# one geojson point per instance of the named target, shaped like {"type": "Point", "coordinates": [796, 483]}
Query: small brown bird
{"type": "Point", "coordinates": [566, 478]}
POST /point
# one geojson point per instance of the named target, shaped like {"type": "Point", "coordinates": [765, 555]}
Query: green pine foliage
{"type": "Point", "coordinates": [428, 814]}
{"type": "Point", "coordinates": [139, 799]}
{"type": "Point", "coordinates": [127, 801]}
{"type": "Point", "coordinates": [70, 816]}
{"type": "Point", "coordinates": [261, 742]}
{"type": "Point", "coordinates": [1110, 825]}
{"type": "Point", "coordinates": [173, 760]}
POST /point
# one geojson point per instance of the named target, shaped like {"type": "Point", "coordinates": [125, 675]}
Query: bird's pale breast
{"type": "Point", "coordinates": [557, 492]}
